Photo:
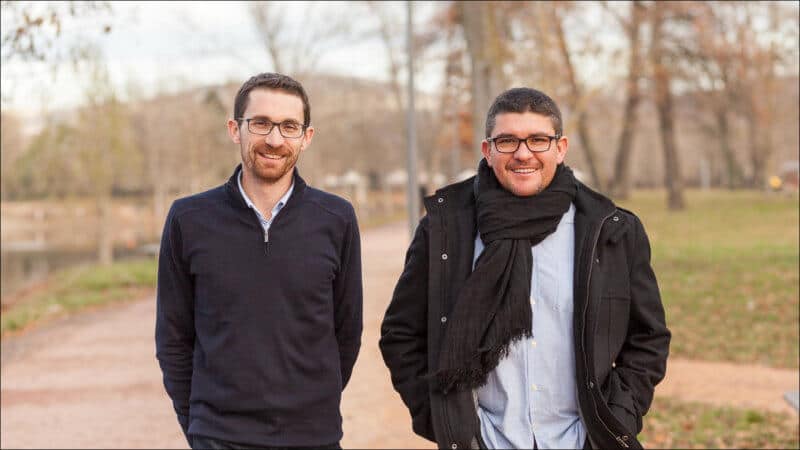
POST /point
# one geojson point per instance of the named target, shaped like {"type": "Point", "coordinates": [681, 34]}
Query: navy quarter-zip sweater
{"type": "Point", "coordinates": [256, 339]}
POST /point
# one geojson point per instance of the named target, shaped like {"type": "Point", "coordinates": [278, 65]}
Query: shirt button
{"type": "Point", "coordinates": [533, 301]}
{"type": "Point", "coordinates": [534, 387]}
{"type": "Point", "coordinates": [444, 256]}
{"type": "Point", "coordinates": [444, 319]}
{"type": "Point", "coordinates": [533, 343]}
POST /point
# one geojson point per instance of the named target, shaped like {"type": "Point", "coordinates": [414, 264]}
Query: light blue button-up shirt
{"type": "Point", "coordinates": [265, 223]}
{"type": "Point", "coordinates": [532, 392]}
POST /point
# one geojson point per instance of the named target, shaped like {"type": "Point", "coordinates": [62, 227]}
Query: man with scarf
{"type": "Point", "coordinates": [527, 314]}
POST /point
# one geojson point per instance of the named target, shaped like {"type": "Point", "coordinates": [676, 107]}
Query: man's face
{"type": "Point", "coordinates": [272, 157]}
{"type": "Point", "coordinates": [523, 172]}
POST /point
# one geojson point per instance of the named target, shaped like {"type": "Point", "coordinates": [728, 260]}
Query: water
{"type": "Point", "coordinates": [41, 237]}
{"type": "Point", "coordinates": [24, 267]}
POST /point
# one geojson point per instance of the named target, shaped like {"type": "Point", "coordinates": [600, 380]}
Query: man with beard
{"type": "Point", "coordinates": [259, 290]}
{"type": "Point", "coordinates": [527, 314]}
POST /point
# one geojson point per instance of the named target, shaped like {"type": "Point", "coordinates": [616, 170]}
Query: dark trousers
{"type": "Point", "coordinates": [204, 442]}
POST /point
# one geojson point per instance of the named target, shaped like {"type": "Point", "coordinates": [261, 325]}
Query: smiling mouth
{"type": "Point", "coordinates": [270, 156]}
{"type": "Point", "coordinates": [524, 170]}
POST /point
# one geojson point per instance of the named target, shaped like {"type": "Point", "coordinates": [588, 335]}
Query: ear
{"type": "Point", "coordinates": [486, 149]}
{"type": "Point", "coordinates": [233, 131]}
{"type": "Point", "coordinates": [561, 149]}
{"type": "Point", "coordinates": [307, 137]}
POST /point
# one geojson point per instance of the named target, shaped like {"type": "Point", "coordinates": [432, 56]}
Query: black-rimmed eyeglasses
{"type": "Point", "coordinates": [509, 144]}
{"type": "Point", "coordinates": [287, 128]}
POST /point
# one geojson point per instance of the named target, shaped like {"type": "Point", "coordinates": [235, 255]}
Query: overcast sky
{"type": "Point", "coordinates": [167, 46]}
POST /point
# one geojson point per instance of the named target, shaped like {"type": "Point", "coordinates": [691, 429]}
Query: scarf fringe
{"type": "Point", "coordinates": [476, 374]}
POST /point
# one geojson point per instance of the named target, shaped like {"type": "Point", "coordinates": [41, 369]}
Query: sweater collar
{"type": "Point", "coordinates": [232, 188]}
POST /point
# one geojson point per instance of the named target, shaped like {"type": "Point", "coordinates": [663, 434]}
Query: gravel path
{"type": "Point", "coordinates": [92, 380]}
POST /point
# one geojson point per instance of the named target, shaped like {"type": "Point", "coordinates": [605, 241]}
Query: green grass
{"type": "Point", "coordinates": [675, 424]}
{"type": "Point", "coordinates": [727, 267]}
{"type": "Point", "coordinates": [79, 288]}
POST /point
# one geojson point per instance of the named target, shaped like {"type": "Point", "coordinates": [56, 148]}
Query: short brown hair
{"type": "Point", "coordinates": [522, 100]}
{"type": "Point", "coordinates": [269, 80]}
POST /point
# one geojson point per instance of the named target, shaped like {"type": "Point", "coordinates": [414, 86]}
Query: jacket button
{"type": "Point", "coordinates": [591, 385]}
{"type": "Point", "coordinates": [440, 200]}
{"type": "Point", "coordinates": [454, 446]}
{"type": "Point", "coordinates": [444, 256]}
{"type": "Point", "coordinates": [616, 219]}
{"type": "Point", "coordinates": [444, 319]}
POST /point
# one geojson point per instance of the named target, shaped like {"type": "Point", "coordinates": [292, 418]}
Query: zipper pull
{"type": "Point", "coordinates": [622, 441]}
{"type": "Point", "coordinates": [266, 235]}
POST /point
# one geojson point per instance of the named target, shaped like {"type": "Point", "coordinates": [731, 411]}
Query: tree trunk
{"type": "Point", "coordinates": [579, 110]}
{"type": "Point", "coordinates": [619, 185]}
{"type": "Point", "coordinates": [759, 112]}
{"type": "Point", "coordinates": [385, 32]}
{"type": "Point", "coordinates": [664, 106]}
{"type": "Point", "coordinates": [757, 152]}
{"type": "Point", "coordinates": [733, 171]}
{"type": "Point", "coordinates": [484, 48]}
{"type": "Point", "coordinates": [105, 227]}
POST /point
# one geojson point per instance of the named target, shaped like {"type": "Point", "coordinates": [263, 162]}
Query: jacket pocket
{"type": "Point", "coordinates": [620, 402]}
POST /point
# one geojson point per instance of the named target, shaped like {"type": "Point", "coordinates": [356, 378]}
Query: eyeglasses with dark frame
{"type": "Point", "coordinates": [289, 129]}
{"type": "Point", "coordinates": [537, 143]}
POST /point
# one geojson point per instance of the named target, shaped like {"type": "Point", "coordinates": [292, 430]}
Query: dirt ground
{"type": "Point", "coordinates": [92, 380]}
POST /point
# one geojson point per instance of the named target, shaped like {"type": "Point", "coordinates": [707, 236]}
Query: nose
{"type": "Point", "coordinates": [523, 153]}
{"type": "Point", "coordinates": [274, 138]}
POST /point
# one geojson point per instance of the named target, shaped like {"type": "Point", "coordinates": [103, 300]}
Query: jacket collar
{"type": "Point", "coordinates": [590, 209]}
{"type": "Point", "coordinates": [232, 188]}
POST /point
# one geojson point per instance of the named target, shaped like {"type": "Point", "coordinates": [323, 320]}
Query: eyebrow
{"type": "Point", "coordinates": [526, 137]}
{"type": "Point", "coordinates": [270, 119]}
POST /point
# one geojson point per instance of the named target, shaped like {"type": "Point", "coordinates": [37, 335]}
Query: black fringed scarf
{"type": "Point", "coordinates": [493, 308]}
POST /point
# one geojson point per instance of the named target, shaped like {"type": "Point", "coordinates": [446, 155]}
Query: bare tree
{"type": "Point", "coordinates": [662, 93]}
{"type": "Point", "coordinates": [297, 50]}
{"type": "Point", "coordinates": [12, 147]}
{"type": "Point", "coordinates": [577, 98]}
{"type": "Point", "coordinates": [269, 20]}
{"type": "Point", "coordinates": [389, 32]}
{"type": "Point", "coordinates": [35, 28]}
{"type": "Point", "coordinates": [619, 185]}
{"type": "Point", "coordinates": [105, 150]}
{"type": "Point", "coordinates": [487, 52]}
{"type": "Point", "coordinates": [763, 49]}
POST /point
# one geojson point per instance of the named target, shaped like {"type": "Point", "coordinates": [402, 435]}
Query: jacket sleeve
{"type": "Point", "coordinates": [175, 320]}
{"type": "Point", "coordinates": [642, 361]}
{"type": "Point", "coordinates": [404, 334]}
{"type": "Point", "coordinates": [348, 300]}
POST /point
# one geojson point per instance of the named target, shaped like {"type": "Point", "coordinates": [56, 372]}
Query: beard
{"type": "Point", "coordinates": [266, 170]}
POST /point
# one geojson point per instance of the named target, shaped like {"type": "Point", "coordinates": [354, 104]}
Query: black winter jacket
{"type": "Point", "coordinates": [621, 340]}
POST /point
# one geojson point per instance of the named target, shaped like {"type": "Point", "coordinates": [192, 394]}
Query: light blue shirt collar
{"type": "Point", "coordinates": [275, 210]}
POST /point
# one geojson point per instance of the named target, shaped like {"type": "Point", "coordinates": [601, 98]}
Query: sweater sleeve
{"type": "Point", "coordinates": [174, 332]}
{"type": "Point", "coordinates": [348, 300]}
